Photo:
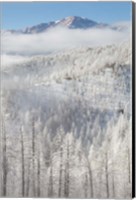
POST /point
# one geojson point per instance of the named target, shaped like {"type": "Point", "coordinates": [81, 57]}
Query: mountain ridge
{"type": "Point", "coordinates": [70, 22]}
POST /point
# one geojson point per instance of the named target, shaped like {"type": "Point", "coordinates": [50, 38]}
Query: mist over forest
{"type": "Point", "coordinates": [66, 114]}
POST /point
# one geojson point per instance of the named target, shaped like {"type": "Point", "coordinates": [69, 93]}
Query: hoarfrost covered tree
{"type": "Point", "coordinates": [61, 162]}
{"type": "Point", "coordinates": [4, 160]}
{"type": "Point", "coordinates": [109, 159]}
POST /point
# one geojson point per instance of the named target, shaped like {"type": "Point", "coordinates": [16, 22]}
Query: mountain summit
{"type": "Point", "coordinates": [74, 22]}
{"type": "Point", "coordinates": [71, 22]}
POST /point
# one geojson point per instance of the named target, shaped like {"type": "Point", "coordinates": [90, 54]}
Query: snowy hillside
{"type": "Point", "coordinates": [77, 72]}
{"type": "Point", "coordinates": [66, 123]}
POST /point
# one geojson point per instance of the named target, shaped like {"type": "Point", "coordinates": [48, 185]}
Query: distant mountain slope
{"type": "Point", "coordinates": [71, 22]}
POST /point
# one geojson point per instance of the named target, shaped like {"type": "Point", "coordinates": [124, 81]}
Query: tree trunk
{"type": "Point", "coordinates": [107, 175]}
{"type": "Point", "coordinates": [91, 182]}
{"type": "Point", "coordinates": [113, 181]}
{"type": "Point", "coordinates": [60, 171]}
{"type": "Point", "coordinates": [28, 181]}
{"type": "Point", "coordinates": [50, 189]}
{"type": "Point", "coordinates": [33, 156]}
{"type": "Point", "coordinates": [5, 164]}
{"type": "Point", "coordinates": [39, 178]}
{"type": "Point", "coordinates": [66, 188]}
{"type": "Point", "coordinates": [129, 171]}
{"type": "Point", "coordinates": [113, 186]}
{"type": "Point", "coordinates": [23, 164]}
{"type": "Point", "coordinates": [86, 186]}
{"type": "Point", "coordinates": [90, 179]}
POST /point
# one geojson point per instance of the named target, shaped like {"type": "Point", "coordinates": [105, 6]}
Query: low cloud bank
{"type": "Point", "coordinates": [58, 39]}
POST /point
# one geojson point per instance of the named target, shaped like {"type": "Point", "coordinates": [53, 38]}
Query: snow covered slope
{"type": "Point", "coordinates": [66, 123]}
{"type": "Point", "coordinates": [74, 75]}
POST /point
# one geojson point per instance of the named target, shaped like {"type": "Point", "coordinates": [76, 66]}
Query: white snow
{"type": "Point", "coordinates": [75, 106]}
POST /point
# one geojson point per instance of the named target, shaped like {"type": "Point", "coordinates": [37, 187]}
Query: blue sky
{"type": "Point", "coordinates": [20, 15]}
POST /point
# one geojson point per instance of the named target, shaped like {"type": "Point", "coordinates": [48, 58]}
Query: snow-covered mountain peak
{"type": "Point", "coordinates": [71, 22]}
{"type": "Point", "coordinates": [77, 22]}
{"type": "Point", "coordinates": [67, 21]}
